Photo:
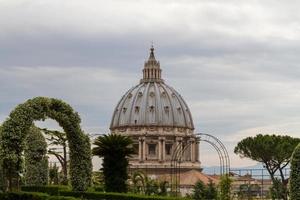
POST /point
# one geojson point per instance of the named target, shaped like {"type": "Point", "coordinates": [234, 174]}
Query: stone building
{"type": "Point", "coordinates": [158, 120]}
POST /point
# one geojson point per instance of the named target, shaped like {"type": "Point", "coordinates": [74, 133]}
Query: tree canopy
{"type": "Point", "coordinates": [114, 149]}
{"type": "Point", "coordinates": [274, 151]}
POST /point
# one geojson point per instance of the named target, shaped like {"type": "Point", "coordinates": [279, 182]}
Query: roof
{"type": "Point", "coordinates": [152, 104]}
{"type": "Point", "coordinates": [192, 176]}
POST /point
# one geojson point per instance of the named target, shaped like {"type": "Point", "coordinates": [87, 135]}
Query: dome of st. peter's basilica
{"type": "Point", "coordinates": [158, 120]}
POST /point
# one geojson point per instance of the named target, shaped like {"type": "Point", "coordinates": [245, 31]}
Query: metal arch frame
{"type": "Point", "coordinates": [219, 146]}
{"type": "Point", "coordinates": [175, 162]}
{"type": "Point", "coordinates": [178, 152]}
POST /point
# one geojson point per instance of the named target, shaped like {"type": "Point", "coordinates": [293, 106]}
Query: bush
{"type": "Point", "coordinates": [295, 175]}
{"type": "Point", "coordinates": [51, 190]}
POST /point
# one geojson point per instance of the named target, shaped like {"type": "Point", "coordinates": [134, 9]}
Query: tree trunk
{"type": "Point", "coordinates": [284, 183]}
{"type": "Point", "coordinates": [10, 187]}
{"type": "Point", "coordinates": [65, 166]}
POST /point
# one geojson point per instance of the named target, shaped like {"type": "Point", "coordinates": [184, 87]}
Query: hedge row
{"type": "Point", "coordinates": [31, 196]}
{"type": "Point", "coordinates": [49, 189]}
{"type": "Point", "coordinates": [114, 196]}
{"type": "Point", "coordinates": [64, 191]}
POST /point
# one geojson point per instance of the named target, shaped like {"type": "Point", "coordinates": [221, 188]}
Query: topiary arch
{"type": "Point", "coordinates": [15, 128]}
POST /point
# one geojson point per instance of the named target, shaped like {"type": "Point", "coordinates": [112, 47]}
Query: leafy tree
{"type": "Point", "coordinates": [36, 160]}
{"type": "Point", "coordinates": [211, 190]}
{"type": "Point", "coordinates": [58, 139]}
{"type": "Point", "coordinates": [199, 192]}
{"type": "Point", "coordinates": [225, 187]}
{"type": "Point", "coordinates": [295, 175]}
{"type": "Point", "coordinates": [115, 150]}
{"type": "Point", "coordinates": [272, 150]}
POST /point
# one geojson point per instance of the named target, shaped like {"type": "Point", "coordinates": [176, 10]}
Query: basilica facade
{"type": "Point", "coordinates": [159, 121]}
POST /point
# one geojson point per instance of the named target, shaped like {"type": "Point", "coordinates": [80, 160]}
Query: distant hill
{"type": "Point", "coordinates": [216, 169]}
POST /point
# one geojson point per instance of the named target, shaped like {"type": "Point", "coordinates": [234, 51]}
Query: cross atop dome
{"type": "Point", "coordinates": [152, 57]}
{"type": "Point", "coordinates": [151, 71]}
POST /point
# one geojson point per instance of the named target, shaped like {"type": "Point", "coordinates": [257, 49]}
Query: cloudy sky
{"type": "Point", "coordinates": [235, 62]}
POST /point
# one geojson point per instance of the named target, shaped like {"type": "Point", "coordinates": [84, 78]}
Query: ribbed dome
{"type": "Point", "coordinates": [152, 103]}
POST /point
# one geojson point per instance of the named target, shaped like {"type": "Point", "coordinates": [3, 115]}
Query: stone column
{"type": "Point", "coordinates": [159, 149]}
{"type": "Point", "coordinates": [178, 147]}
{"type": "Point", "coordinates": [197, 151]}
{"type": "Point", "coordinates": [163, 149]}
{"type": "Point", "coordinates": [144, 148]}
{"type": "Point", "coordinates": [140, 149]}
{"type": "Point", "coordinates": [193, 150]}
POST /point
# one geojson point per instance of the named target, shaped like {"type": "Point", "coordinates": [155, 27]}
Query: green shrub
{"type": "Point", "coordinates": [51, 190]}
{"type": "Point", "coordinates": [295, 175]}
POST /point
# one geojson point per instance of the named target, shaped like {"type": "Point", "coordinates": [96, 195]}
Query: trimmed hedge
{"type": "Point", "coordinates": [295, 175]}
{"type": "Point", "coordinates": [49, 189]}
{"type": "Point", "coordinates": [63, 191]}
{"type": "Point", "coordinates": [31, 196]}
{"type": "Point", "coordinates": [36, 160]}
{"type": "Point", "coordinates": [114, 196]}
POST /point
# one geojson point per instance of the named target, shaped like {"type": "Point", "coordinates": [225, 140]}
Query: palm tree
{"type": "Point", "coordinates": [115, 150]}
